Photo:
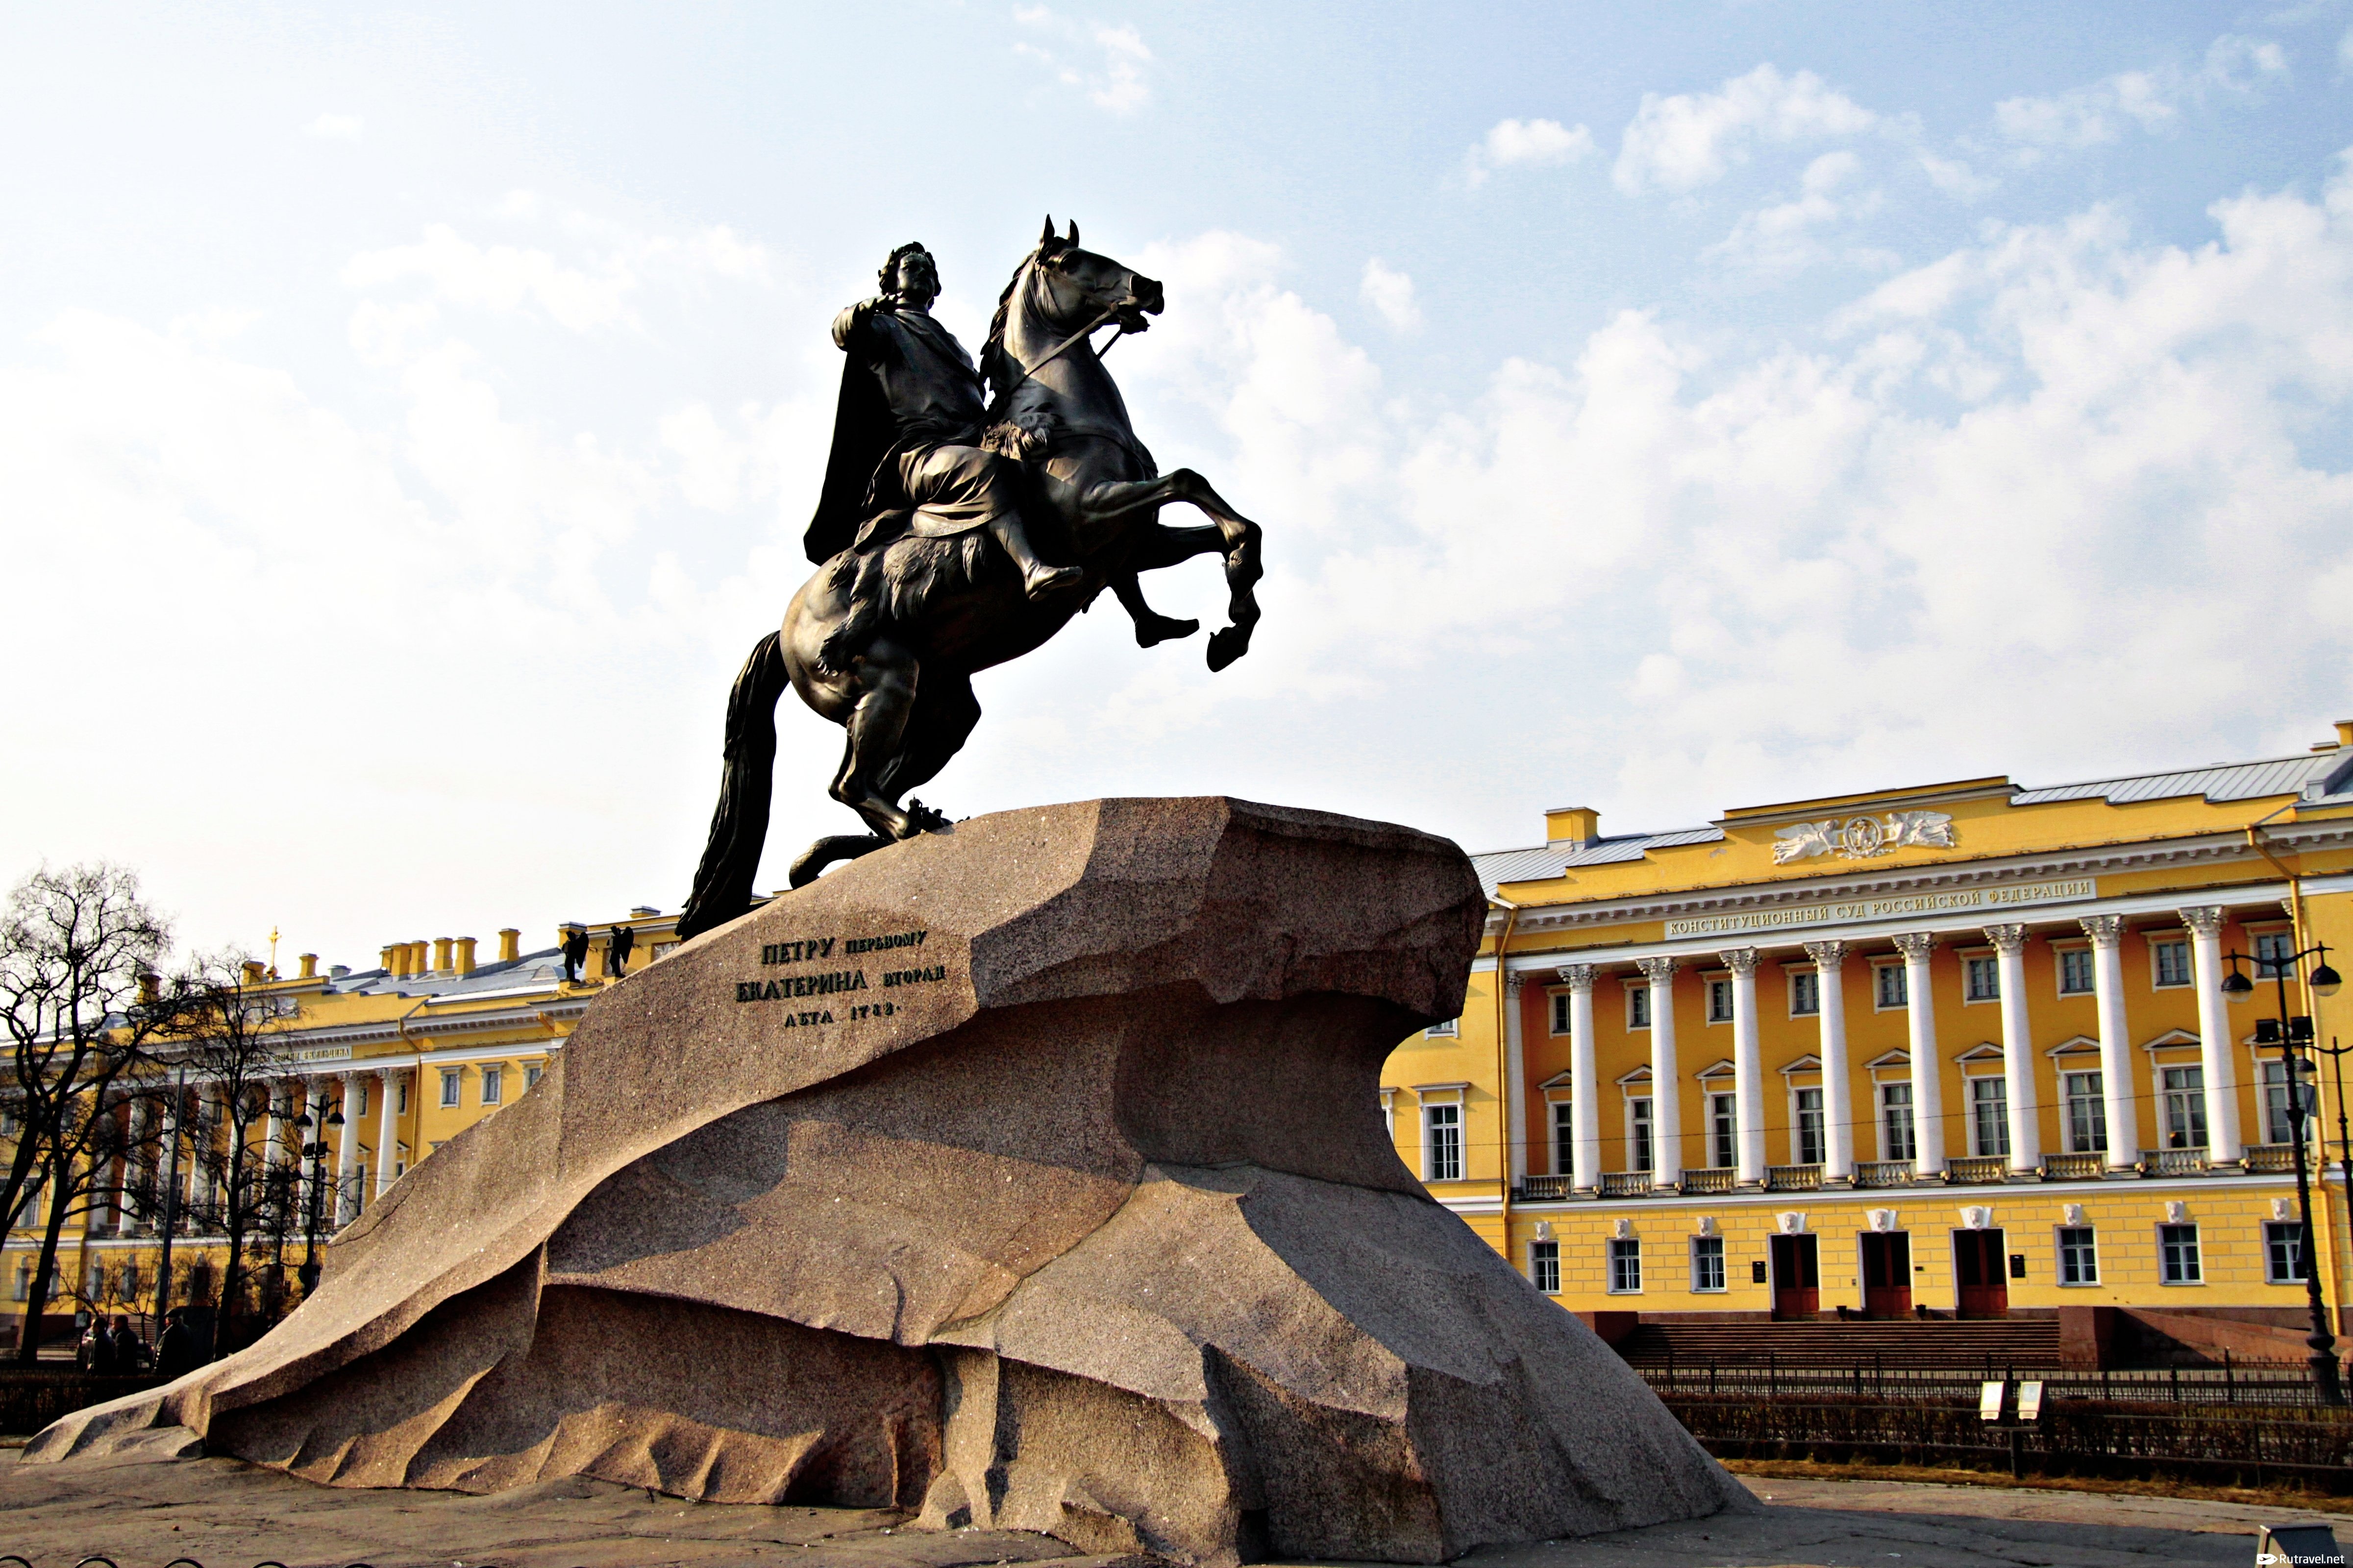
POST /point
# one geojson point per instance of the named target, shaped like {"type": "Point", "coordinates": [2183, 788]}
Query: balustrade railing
{"type": "Point", "coordinates": [1978, 1168]}
{"type": "Point", "coordinates": [1792, 1178]}
{"type": "Point", "coordinates": [2072, 1167]}
{"type": "Point", "coordinates": [2173, 1162]}
{"type": "Point", "coordinates": [2270, 1158]}
{"type": "Point", "coordinates": [1883, 1173]}
{"type": "Point", "coordinates": [1540, 1189]}
{"type": "Point", "coordinates": [1710, 1179]}
{"type": "Point", "coordinates": [1625, 1183]}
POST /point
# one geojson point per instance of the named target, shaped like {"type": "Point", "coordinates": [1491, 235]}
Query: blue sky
{"type": "Point", "coordinates": [408, 416]}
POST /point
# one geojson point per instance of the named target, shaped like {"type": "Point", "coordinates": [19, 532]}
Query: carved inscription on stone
{"type": "Point", "coordinates": [833, 982]}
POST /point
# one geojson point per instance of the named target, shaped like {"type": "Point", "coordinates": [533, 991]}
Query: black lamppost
{"type": "Point", "coordinates": [316, 1153]}
{"type": "Point", "coordinates": [2287, 1032]}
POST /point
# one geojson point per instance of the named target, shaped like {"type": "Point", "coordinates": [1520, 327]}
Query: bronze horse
{"type": "Point", "coordinates": [1091, 497]}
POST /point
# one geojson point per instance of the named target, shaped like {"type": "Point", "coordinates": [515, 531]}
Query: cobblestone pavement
{"type": "Point", "coordinates": [225, 1514]}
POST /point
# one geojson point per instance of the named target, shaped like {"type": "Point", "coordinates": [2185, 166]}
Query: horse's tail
{"type": "Point", "coordinates": [739, 827]}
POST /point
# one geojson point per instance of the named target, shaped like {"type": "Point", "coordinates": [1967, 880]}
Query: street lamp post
{"type": "Point", "coordinates": [2287, 1032]}
{"type": "Point", "coordinates": [316, 1153]}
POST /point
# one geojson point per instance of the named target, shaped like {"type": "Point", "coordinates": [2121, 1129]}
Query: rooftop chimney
{"type": "Point", "coordinates": [2344, 732]}
{"type": "Point", "coordinates": [150, 988]}
{"type": "Point", "coordinates": [1574, 824]}
{"type": "Point", "coordinates": [464, 955]}
{"type": "Point", "coordinates": [441, 964]}
{"type": "Point", "coordinates": [309, 961]}
{"type": "Point", "coordinates": [254, 971]}
{"type": "Point", "coordinates": [642, 912]}
{"type": "Point", "coordinates": [389, 961]}
{"type": "Point", "coordinates": [420, 957]}
{"type": "Point", "coordinates": [510, 944]}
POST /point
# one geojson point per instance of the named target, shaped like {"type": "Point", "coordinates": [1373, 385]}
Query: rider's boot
{"type": "Point", "coordinates": [1038, 579]}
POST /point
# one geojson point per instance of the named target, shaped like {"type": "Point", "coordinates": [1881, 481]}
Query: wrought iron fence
{"type": "Point", "coordinates": [31, 1398]}
{"type": "Point", "coordinates": [2250, 1383]}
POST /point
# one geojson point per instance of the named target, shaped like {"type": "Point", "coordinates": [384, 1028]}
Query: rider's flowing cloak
{"type": "Point", "coordinates": [868, 437]}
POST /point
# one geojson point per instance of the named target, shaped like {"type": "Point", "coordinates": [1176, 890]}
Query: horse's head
{"type": "Point", "coordinates": [1074, 286]}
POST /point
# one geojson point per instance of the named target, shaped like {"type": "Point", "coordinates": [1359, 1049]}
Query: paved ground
{"type": "Point", "coordinates": [225, 1514]}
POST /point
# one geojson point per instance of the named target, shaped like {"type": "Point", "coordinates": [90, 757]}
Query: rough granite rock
{"type": "Point", "coordinates": [1064, 1205]}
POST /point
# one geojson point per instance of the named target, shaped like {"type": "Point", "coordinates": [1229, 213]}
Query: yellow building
{"type": "Point", "coordinates": [1961, 1047]}
{"type": "Point", "coordinates": [408, 1054]}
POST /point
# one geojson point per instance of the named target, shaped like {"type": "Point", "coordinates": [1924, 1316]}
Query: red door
{"type": "Point", "coordinates": [1977, 1268]}
{"type": "Point", "coordinates": [1887, 1275]}
{"type": "Point", "coordinates": [1797, 1279]}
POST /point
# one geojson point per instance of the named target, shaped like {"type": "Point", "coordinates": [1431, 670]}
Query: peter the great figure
{"type": "Point", "coordinates": [955, 532]}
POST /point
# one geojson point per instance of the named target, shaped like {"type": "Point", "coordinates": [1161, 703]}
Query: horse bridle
{"type": "Point", "coordinates": [1107, 313]}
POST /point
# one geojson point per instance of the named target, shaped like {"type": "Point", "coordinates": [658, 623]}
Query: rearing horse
{"type": "Point", "coordinates": [1091, 497]}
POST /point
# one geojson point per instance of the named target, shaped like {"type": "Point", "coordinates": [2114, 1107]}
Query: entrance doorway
{"type": "Point", "coordinates": [1887, 1275]}
{"type": "Point", "coordinates": [1797, 1279]}
{"type": "Point", "coordinates": [1977, 1268]}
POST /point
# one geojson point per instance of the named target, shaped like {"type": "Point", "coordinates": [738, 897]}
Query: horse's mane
{"type": "Point", "coordinates": [994, 366]}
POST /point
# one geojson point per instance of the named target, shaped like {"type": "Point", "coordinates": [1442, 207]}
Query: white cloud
{"type": "Point", "coordinates": [1782, 238]}
{"type": "Point", "coordinates": [1690, 140]}
{"type": "Point", "coordinates": [1390, 292]}
{"type": "Point", "coordinates": [2151, 100]}
{"type": "Point", "coordinates": [1954, 177]}
{"type": "Point", "coordinates": [1105, 62]}
{"type": "Point", "coordinates": [2345, 51]}
{"type": "Point", "coordinates": [335, 127]}
{"type": "Point", "coordinates": [2059, 461]}
{"type": "Point", "coordinates": [1532, 143]}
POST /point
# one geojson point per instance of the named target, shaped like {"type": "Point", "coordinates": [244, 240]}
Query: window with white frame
{"type": "Point", "coordinates": [1719, 1001]}
{"type": "Point", "coordinates": [2170, 961]}
{"type": "Point", "coordinates": [1708, 1263]}
{"type": "Point", "coordinates": [1561, 1012]}
{"type": "Point", "coordinates": [2075, 971]}
{"type": "Point", "coordinates": [449, 1087]}
{"type": "Point", "coordinates": [2279, 1121]}
{"type": "Point", "coordinates": [2272, 951]}
{"type": "Point", "coordinates": [360, 1100]}
{"type": "Point", "coordinates": [495, 1083]}
{"type": "Point", "coordinates": [1441, 1140]}
{"type": "Point", "coordinates": [2181, 1106]}
{"type": "Point", "coordinates": [2177, 1253]}
{"type": "Point", "coordinates": [1453, 1026]}
{"type": "Point", "coordinates": [1544, 1265]}
{"type": "Point", "coordinates": [532, 1073]}
{"type": "Point", "coordinates": [1804, 994]}
{"type": "Point", "coordinates": [2079, 1255]}
{"type": "Point", "coordinates": [1625, 1265]}
{"type": "Point", "coordinates": [1897, 1141]}
{"type": "Point", "coordinates": [1981, 979]}
{"type": "Point", "coordinates": [1563, 1137]}
{"type": "Point", "coordinates": [2283, 1252]}
{"type": "Point", "coordinates": [1638, 1007]}
{"type": "Point", "coordinates": [1643, 1155]}
{"type": "Point", "coordinates": [1723, 1131]}
{"type": "Point", "coordinates": [1812, 1149]}
{"type": "Point", "coordinates": [1988, 1117]}
{"type": "Point", "coordinates": [401, 1107]}
{"type": "Point", "coordinates": [1888, 986]}
{"type": "Point", "coordinates": [2086, 1113]}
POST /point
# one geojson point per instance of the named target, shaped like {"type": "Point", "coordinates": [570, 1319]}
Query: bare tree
{"type": "Point", "coordinates": [74, 945]}
{"type": "Point", "coordinates": [231, 1036]}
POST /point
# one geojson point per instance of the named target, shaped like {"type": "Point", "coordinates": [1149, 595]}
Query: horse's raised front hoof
{"type": "Point", "coordinates": [1227, 645]}
{"type": "Point", "coordinates": [1157, 629]}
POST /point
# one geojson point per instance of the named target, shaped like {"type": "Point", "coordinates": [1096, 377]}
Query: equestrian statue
{"type": "Point", "coordinates": [956, 530]}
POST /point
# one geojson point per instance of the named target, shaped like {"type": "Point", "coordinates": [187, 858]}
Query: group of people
{"type": "Point", "coordinates": [117, 1350]}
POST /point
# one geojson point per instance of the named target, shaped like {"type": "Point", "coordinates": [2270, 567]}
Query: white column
{"type": "Point", "coordinates": [1838, 1109]}
{"type": "Point", "coordinates": [347, 1155]}
{"type": "Point", "coordinates": [1666, 1083]}
{"type": "Point", "coordinates": [1928, 1069]}
{"type": "Point", "coordinates": [2118, 1105]}
{"type": "Point", "coordinates": [2214, 1052]}
{"type": "Point", "coordinates": [1747, 1062]}
{"type": "Point", "coordinates": [1584, 1094]}
{"type": "Point", "coordinates": [201, 1140]}
{"type": "Point", "coordinates": [134, 1164]}
{"type": "Point", "coordinates": [388, 1129]}
{"type": "Point", "coordinates": [273, 1126]}
{"type": "Point", "coordinates": [2016, 1047]}
{"type": "Point", "coordinates": [1514, 1096]}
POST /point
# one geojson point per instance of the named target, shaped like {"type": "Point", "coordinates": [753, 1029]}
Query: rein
{"type": "Point", "coordinates": [1005, 398]}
